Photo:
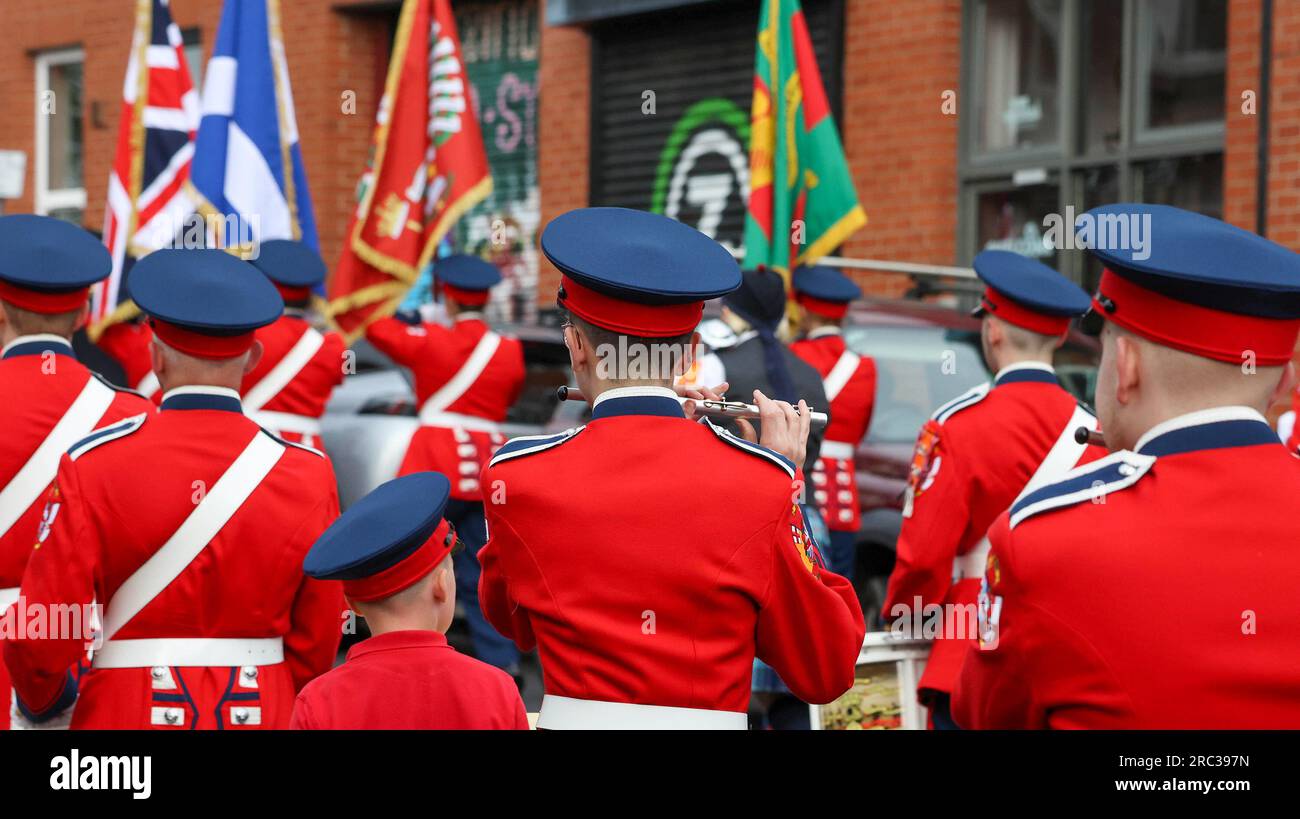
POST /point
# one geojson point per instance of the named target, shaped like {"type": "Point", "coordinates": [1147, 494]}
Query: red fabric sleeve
{"type": "Point", "coordinates": [494, 597]}
{"type": "Point", "coordinates": [810, 625]}
{"type": "Point", "coordinates": [315, 623]}
{"type": "Point", "coordinates": [302, 719]}
{"type": "Point", "coordinates": [932, 534]}
{"type": "Point", "coordinates": [63, 570]}
{"type": "Point", "coordinates": [1030, 669]}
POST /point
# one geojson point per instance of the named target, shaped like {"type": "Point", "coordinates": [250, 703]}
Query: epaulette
{"type": "Point", "coordinates": [117, 387]}
{"type": "Point", "coordinates": [103, 435]}
{"type": "Point", "coordinates": [967, 399]}
{"type": "Point", "coordinates": [313, 450]}
{"type": "Point", "coordinates": [753, 448]}
{"type": "Point", "coordinates": [1103, 477]}
{"type": "Point", "coordinates": [531, 444]}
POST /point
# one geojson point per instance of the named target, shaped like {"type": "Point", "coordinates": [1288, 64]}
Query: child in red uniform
{"type": "Point", "coordinates": [392, 551]}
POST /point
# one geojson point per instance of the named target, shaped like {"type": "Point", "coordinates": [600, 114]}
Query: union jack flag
{"type": "Point", "coordinates": [147, 201]}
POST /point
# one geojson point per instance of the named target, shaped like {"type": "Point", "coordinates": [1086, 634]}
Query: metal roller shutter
{"type": "Point", "coordinates": [690, 158]}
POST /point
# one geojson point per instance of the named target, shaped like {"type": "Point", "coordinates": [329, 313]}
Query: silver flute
{"type": "Point", "coordinates": [714, 409]}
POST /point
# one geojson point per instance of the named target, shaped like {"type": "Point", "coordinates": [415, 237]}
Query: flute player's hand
{"type": "Point", "coordinates": [784, 430]}
{"type": "Point", "coordinates": [693, 394]}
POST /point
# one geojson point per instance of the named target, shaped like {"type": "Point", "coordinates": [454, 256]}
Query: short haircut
{"type": "Point", "coordinates": [28, 322]}
{"type": "Point", "coordinates": [675, 346]}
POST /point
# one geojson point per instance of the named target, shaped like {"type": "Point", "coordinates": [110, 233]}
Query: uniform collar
{"type": "Point", "coordinates": [36, 345]}
{"type": "Point", "coordinates": [1215, 428]}
{"type": "Point", "coordinates": [469, 315]}
{"type": "Point", "coordinates": [1023, 371]}
{"type": "Point", "coordinates": [201, 398]}
{"type": "Point", "coordinates": [823, 331]}
{"type": "Point", "coordinates": [637, 401]}
{"type": "Point", "coordinates": [394, 640]}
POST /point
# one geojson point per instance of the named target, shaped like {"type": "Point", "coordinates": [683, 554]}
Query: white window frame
{"type": "Point", "coordinates": [46, 200]}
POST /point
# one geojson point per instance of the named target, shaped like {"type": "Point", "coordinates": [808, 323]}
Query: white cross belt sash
{"type": "Point", "coordinates": [1061, 458]}
{"type": "Point", "coordinates": [207, 519]}
{"type": "Point", "coordinates": [840, 374]}
{"type": "Point", "coordinates": [464, 378]}
{"type": "Point", "coordinates": [284, 371]}
{"type": "Point", "coordinates": [36, 475]}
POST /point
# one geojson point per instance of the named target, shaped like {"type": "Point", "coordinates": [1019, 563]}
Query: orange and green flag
{"type": "Point", "coordinates": [802, 204]}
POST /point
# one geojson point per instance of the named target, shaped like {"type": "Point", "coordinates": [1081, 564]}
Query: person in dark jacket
{"type": "Point", "coordinates": [758, 360]}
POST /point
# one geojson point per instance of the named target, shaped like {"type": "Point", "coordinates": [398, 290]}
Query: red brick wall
{"type": "Point", "coordinates": [1242, 129]}
{"type": "Point", "coordinates": [1284, 131]}
{"type": "Point", "coordinates": [899, 58]}
{"type": "Point", "coordinates": [563, 131]}
{"type": "Point", "coordinates": [328, 52]}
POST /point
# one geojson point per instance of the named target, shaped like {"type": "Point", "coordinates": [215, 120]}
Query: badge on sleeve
{"type": "Point", "coordinates": [804, 543]}
{"type": "Point", "coordinates": [925, 465]}
{"type": "Point", "coordinates": [990, 606]}
{"type": "Point", "coordinates": [48, 515]}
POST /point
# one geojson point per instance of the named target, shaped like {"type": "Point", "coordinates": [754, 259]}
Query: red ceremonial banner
{"type": "Point", "coordinates": [427, 168]}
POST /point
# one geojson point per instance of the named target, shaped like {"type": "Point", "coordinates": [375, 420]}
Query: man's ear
{"type": "Point", "coordinates": [442, 580]}
{"type": "Point", "coordinates": [993, 331]}
{"type": "Point", "coordinates": [688, 356]}
{"type": "Point", "coordinates": [1128, 368]}
{"type": "Point", "coordinates": [254, 357]}
{"type": "Point", "coordinates": [579, 348]}
{"type": "Point", "coordinates": [156, 358]}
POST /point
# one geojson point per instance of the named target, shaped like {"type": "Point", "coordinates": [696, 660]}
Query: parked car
{"type": "Point", "coordinates": [925, 355]}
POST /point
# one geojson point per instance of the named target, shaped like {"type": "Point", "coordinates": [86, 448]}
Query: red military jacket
{"type": "Point", "coordinates": [288, 389]}
{"type": "Point", "coordinates": [41, 378]}
{"type": "Point", "coordinates": [122, 493]}
{"type": "Point", "coordinates": [1150, 589]}
{"type": "Point", "coordinates": [650, 559]}
{"type": "Point", "coordinates": [851, 387]}
{"type": "Point", "coordinates": [463, 394]}
{"type": "Point", "coordinates": [972, 459]}
{"type": "Point", "coordinates": [410, 680]}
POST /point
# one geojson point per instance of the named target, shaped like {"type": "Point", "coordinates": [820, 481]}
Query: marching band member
{"type": "Point", "coordinates": [287, 391]}
{"type": "Point", "coordinates": [466, 377]}
{"type": "Point", "coordinates": [1155, 588]}
{"type": "Point", "coordinates": [392, 550]}
{"type": "Point", "coordinates": [825, 293]}
{"type": "Point", "coordinates": [188, 529]}
{"type": "Point", "coordinates": [54, 401]}
{"type": "Point", "coordinates": [650, 558]}
{"type": "Point", "coordinates": [979, 452]}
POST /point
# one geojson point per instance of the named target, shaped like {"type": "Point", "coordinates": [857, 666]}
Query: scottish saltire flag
{"type": "Point", "coordinates": [155, 146]}
{"type": "Point", "coordinates": [247, 161]}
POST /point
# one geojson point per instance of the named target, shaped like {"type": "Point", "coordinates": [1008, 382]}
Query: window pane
{"type": "Point", "coordinates": [1103, 28]}
{"type": "Point", "coordinates": [1181, 62]}
{"type": "Point", "coordinates": [1100, 186]}
{"type": "Point", "coordinates": [1013, 220]}
{"type": "Point", "coordinates": [73, 215]}
{"type": "Point", "coordinates": [65, 127]}
{"type": "Point", "coordinates": [1016, 62]}
{"type": "Point", "coordinates": [1188, 182]}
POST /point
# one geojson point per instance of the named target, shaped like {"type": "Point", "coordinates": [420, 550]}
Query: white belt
{"type": "Point", "coordinates": [837, 450]}
{"type": "Point", "coordinates": [455, 419]}
{"type": "Point", "coordinates": [286, 422]}
{"type": "Point", "coordinates": [7, 598]}
{"type": "Point", "coordinates": [971, 564]}
{"type": "Point", "coordinates": [189, 652]}
{"type": "Point", "coordinates": [567, 713]}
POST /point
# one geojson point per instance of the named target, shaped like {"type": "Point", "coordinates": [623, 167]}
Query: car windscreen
{"type": "Point", "coordinates": [917, 370]}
